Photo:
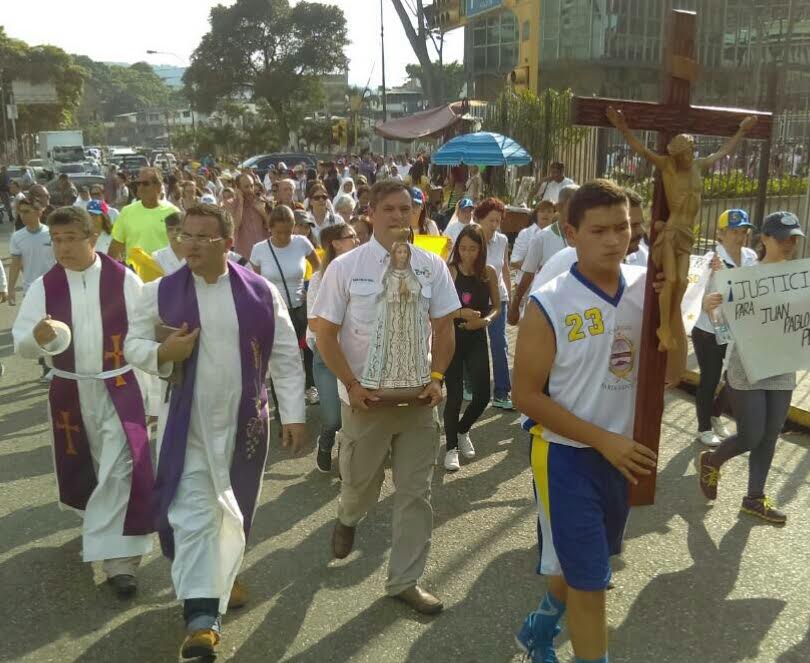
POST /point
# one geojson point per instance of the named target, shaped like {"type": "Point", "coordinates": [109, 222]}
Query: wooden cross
{"type": "Point", "coordinates": [116, 355]}
{"type": "Point", "coordinates": [674, 115]}
{"type": "Point", "coordinates": [64, 425]}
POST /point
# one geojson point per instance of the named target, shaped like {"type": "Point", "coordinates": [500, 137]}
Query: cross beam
{"type": "Point", "coordinates": [652, 116]}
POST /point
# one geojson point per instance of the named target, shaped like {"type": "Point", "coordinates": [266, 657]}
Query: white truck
{"type": "Point", "coordinates": [61, 146]}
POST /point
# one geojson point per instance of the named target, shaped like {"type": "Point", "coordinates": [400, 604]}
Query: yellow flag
{"type": "Point", "coordinates": [145, 265]}
{"type": "Point", "coordinates": [438, 245]}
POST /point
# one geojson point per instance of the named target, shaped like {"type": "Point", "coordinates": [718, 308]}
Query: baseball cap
{"type": "Point", "coordinates": [466, 203]}
{"type": "Point", "coordinates": [734, 218]}
{"type": "Point", "coordinates": [97, 207]}
{"type": "Point", "coordinates": [208, 199]}
{"type": "Point", "coordinates": [782, 225]}
{"type": "Point", "coordinates": [302, 216]}
{"type": "Point", "coordinates": [281, 166]}
{"type": "Point", "coordinates": [417, 196]}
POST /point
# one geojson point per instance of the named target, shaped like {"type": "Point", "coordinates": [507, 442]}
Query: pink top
{"type": "Point", "coordinates": [250, 230]}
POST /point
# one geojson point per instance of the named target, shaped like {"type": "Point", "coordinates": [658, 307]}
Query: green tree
{"type": "Point", "coordinates": [42, 64]}
{"type": "Point", "coordinates": [267, 50]}
{"type": "Point", "coordinates": [453, 78]}
{"type": "Point", "coordinates": [420, 34]}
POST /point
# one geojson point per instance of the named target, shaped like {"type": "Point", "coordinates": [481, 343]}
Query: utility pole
{"type": "Point", "coordinates": [382, 46]}
{"type": "Point", "coordinates": [3, 106]}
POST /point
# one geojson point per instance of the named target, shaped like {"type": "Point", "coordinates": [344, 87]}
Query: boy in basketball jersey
{"type": "Point", "coordinates": [575, 373]}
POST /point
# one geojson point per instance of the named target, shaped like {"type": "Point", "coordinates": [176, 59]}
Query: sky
{"type": "Point", "coordinates": [115, 32]}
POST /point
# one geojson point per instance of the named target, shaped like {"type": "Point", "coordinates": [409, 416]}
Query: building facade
{"type": "Point", "coordinates": [754, 53]}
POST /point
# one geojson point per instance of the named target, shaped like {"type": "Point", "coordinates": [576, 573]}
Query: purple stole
{"type": "Point", "coordinates": [74, 464]}
{"type": "Point", "coordinates": [177, 303]}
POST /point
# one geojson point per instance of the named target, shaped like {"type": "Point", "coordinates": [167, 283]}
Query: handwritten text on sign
{"type": "Point", "coordinates": [768, 311]}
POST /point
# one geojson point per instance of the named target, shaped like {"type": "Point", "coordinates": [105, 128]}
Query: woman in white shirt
{"type": "Point", "coordinates": [733, 229]}
{"type": "Point", "coordinates": [282, 259]}
{"type": "Point", "coordinates": [336, 240]}
{"type": "Point", "coordinates": [489, 215]}
{"type": "Point", "coordinates": [99, 216]}
{"type": "Point", "coordinates": [420, 223]}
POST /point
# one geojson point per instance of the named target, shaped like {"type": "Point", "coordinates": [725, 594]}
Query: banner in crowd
{"type": "Point", "coordinates": [699, 274]}
{"type": "Point", "coordinates": [767, 308]}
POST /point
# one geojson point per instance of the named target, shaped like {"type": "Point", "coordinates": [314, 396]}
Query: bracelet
{"type": "Point", "coordinates": [435, 375]}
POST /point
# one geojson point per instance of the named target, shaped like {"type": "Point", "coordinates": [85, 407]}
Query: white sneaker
{"type": "Point", "coordinates": [465, 445]}
{"type": "Point", "coordinates": [312, 396]}
{"type": "Point", "coordinates": [451, 461]}
{"type": "Point", "coordinates": [708, 438]}
{"type": "Point", "coordinates": [719, 428]}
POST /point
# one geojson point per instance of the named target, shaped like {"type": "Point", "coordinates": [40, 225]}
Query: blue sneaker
{"type": "Point", "coordinates": [538, 651]}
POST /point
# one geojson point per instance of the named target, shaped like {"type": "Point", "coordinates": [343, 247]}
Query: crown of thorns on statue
{"type": "Point", "coordinates": [681, 144]}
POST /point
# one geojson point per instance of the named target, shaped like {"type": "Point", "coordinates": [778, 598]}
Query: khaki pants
{"type": "Point", "coordinates": [411, 436]}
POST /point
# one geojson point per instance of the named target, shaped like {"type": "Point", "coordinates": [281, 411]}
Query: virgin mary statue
{"type": "Point", "coordinates": [398, 354]}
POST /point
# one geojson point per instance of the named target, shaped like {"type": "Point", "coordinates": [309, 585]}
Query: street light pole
{"type": "Point", "coordinates": [382, 46]}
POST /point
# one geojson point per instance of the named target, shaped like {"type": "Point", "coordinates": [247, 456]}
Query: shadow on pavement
{"type": "Point", "coordinates": [28, 524]}
{"type": "Point", "coordinates": [27, 464]}
{"type": "Point", "coordinates": [697, 621]}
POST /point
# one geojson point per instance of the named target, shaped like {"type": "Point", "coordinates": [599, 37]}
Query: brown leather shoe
{"type": "Point", "coordinates": [420, 600]}
{"type": "Point", "coordinates": [239, 595]}
{"type": "Point", "coordinates": [342, 540]}
{"type": "Point", "coordinates": [200, 643]}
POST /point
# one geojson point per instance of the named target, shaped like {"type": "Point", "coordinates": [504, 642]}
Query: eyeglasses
{"type": "Point", "coordinates": [352, 237]}
{"type": "Point", "coordinates": [318, 197]}
{"type": "Point", "coordinates": [185, 238]}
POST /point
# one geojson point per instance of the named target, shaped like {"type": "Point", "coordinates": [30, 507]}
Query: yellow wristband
{"type": "Point", "coordinates": [435, 375]}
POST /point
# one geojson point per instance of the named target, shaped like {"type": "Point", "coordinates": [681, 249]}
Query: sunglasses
{"type": "Point", "coordinates": [145, 182]}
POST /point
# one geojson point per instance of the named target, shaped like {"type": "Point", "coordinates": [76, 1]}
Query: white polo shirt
{"type": "Point", "coordinates": [523, 241]}
{"type": "Point", "coordinates": [349, 293]}
{"type": "Point", "coordinates": [543, 245]}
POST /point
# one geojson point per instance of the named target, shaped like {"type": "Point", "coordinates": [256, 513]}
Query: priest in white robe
{"type": "Point", "coordinates": [225, 324]}
{"type": "Point", "coordinates": [76, 318]}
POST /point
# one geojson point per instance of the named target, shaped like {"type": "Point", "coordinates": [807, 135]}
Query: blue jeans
{"type": "Point", "coordinates": [329, 404]}
{"type": "Point", "coordinates": [498, 349]}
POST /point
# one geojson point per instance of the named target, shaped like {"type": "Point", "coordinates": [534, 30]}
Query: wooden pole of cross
{"type": "Point", "coordinates": [674, 115]}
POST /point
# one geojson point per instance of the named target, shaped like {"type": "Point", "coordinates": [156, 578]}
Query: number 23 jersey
{"type": "Point", "coordinates": [598, 337]}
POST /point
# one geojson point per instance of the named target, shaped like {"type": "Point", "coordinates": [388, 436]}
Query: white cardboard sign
{"type": "Point", "coordinates": [767, 308]}
{"type": "Point", "coordinates": [699, 273]}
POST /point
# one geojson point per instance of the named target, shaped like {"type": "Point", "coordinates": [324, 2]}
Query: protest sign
{"type": "Point", "coordinates": [767, 308]}
{"type": "Point", "coordinates": [698, 279]}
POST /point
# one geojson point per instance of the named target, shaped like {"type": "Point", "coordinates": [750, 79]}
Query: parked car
{"type": "Point", "coordinates": [77, 168]}
{"type": "Point", "coordinates": [262, 162]}
{"type": "Point", "coordinates": [23, 175]}
{"type": "Point", "coordinates": [42, 169]}
{"type": "Point", "coordinates": [133, 164]}
{"type": "Point", "coordinates": [77, 180]}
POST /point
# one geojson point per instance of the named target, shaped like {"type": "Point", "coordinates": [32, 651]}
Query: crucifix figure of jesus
{"type": "Point", "coordinates": [675, 207]}
{"type": "Point", "coordinates": [682, 175]}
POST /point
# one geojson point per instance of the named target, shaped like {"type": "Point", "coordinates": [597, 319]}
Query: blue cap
{"type": "Point", "coordinates": [417, 196]}
{"type": "Point", "coordinates": [466, 203]}
{"type": "Point", "coordinates": [782, 225]}
{"type": "Point", "coordinates": [97, 207]}
{"type": "Point", "coordinates": [734, 218]}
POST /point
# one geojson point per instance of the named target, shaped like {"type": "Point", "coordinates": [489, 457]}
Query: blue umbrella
{"type": "Point", "coordinates": [481, 149]}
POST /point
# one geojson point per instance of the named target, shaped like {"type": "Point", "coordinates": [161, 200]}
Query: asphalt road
{"type": "Point", "coordinates": [695, 583]}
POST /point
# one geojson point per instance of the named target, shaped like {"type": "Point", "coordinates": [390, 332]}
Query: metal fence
{"type": "Point", "coordinates": [544, 128]}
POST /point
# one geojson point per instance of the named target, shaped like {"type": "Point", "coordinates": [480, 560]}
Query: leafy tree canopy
{"type": "Point", "coordinates": [268, 50]}
{"type": "Point", "coordinates": [453, 76]}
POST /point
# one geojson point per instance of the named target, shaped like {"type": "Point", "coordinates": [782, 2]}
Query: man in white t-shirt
{"type": "Point", "coordinates": [462, 217]}
{"type": "Point", "coordinates": [551, 185]}
{"type": "Point", "coordinates": [344, 314]}
{"type": "Point", "coordinates": [30, 248]}
{"type": "Point", "coordinates": [543, 245]}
